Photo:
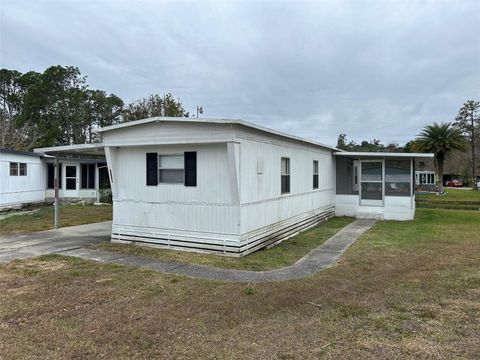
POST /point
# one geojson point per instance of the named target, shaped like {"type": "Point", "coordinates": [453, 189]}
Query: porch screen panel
{"type": "Point", "coordinates": [398, 178]}
{"type": "Point", "coordinates": [372, 180]}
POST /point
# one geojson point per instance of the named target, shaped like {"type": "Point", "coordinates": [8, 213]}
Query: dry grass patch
{"type": "Point", "coordinates": [43, 219]}
{"type": "Point", "coordinates": [403, 290]}
{"type": "Point", "coordinates": [284, 254]}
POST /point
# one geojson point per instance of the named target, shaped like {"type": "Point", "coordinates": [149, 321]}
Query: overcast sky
{"type": "Point", "coordinates": [370, 69]}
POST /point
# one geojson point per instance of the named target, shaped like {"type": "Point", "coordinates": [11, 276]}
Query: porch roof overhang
{"type": "Point", "coordinates": [381, 155]}
{"type": "Point", "coordinates": [75, 150]}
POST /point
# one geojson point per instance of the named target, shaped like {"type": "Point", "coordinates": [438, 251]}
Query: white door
{"type": "Point", "coordinates": [372, 174]}
{"type": "Point", "coordinates": [71, 188]}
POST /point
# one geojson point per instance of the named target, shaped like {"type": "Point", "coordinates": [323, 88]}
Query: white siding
{"type": "Point", "coordinates": [395, 208]}
{"type": "Point", "coordinates": [164, 208]}
{"type": "Point", "coordinates": [233, 208]}
{"type": "Point", "coordinates": [15, 190]}
{"type": "Point", "coordinates": [261, 201]}
{"type": "Point", "coordinates": [168, 133]}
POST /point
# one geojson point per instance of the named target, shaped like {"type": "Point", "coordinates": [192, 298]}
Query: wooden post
{"type": "Point", "coordinates": [56, 182]}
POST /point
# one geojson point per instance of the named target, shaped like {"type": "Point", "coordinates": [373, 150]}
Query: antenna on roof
{"type": "Point", "coordinates": [199, 110]}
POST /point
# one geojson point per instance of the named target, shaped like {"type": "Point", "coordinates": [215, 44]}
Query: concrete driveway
{"type": "Point", "coordinates": [53, 241]}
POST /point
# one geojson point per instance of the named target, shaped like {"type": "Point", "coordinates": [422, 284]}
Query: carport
{"type": "Point", "coordinates": [70, 150]}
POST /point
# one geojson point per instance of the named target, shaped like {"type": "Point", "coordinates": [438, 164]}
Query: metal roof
{"type": "Point", "coordinates": [211, 121]}
{"type": "Point", "coordinates": [27, 153]}
{"type": "Point", "coordinates": [96, 149]}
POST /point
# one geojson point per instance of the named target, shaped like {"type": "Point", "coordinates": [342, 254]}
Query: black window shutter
{"type": "Point", "coordinates": [152, 169]}
{"type": "Point", "coordinates": [190, 168]}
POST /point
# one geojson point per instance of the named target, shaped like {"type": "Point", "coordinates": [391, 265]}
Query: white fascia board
{"type": "Point", "coordinates": [383, 154]}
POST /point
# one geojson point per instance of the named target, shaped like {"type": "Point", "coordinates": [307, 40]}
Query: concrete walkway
{"type": "Point", "coordinates": [53, 241]}
{"type": "Point", "coordinates": [318, 259]}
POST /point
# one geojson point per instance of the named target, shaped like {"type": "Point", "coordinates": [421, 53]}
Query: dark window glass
{"type": "Point", "coordinates": [285, 175]}
{"type": "Point", "coordinates": [315, 174]}
{"type": "Point", "coordinates": [71, 184]}
{"type": "Point", "coordinates": [13, 169]}
{"type": "Point", "coordinates": [84, 175]}
{"type": "Point", "coordinates": [91, 176]}
{"type": "Point", "coordinates": [88, 176]}
{"type": "Point", "coordinates": [50, 176]}
{"type": "Point", "coordinates": [23, 169]}
{"type": "Point", "coordinates": [71, 171]}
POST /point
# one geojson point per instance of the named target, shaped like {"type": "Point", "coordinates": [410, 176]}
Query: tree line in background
{"type": "Point", "coordinates": [57, 107]}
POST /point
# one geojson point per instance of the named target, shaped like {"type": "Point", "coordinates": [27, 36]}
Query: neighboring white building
{"type": "Point", "coordinates": [233, 187]}
{"type": "Point", "coordinates": [27, 177]}
{"type": "Point", "coordinates": [22, 178]}
{"type": "Point", "coordinates": [425, 178]}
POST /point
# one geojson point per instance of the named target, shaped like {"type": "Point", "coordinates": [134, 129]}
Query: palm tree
{"type": "Point", "coordinates": [439, 139]}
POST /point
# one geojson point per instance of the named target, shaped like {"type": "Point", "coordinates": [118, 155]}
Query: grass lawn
{"type": "Point", "coordinates": [43, 219]}
{"type": "Point", "coordinates": [453, 199]}
{"type": "Point", "coordinates": [403, 290]}
{"type": "Point", "coordinates": [452, 195]}
{"type": "Point", "coordinates": [284, 254]}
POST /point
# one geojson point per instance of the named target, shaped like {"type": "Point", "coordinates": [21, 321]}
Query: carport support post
{"type": "Point", "coordinates": [57, 170]}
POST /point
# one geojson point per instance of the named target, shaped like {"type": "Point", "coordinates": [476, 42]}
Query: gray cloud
{"type": "Point", "coordinates": [371, 69]}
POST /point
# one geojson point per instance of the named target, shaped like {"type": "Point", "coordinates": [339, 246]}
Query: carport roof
{"type": "Point", "coordinates": [383, 154]}
{"type": "Point", "coordinates": [77, 149]}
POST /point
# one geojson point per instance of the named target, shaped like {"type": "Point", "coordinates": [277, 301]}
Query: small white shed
{"type": "Point", "coordinates": [22, 178]}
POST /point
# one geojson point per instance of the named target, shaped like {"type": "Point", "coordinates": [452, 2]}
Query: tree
{"type": "Point", "coordinates": [439, 139]}
{"type": "Point", "coordinates": [154, 105]}
{"type": "Point", "coordinates": [342, 142]}
{"type": "Point", "coordinates": [103, 110]}
{"type": "Point", "coordinates": [61, 108]}
{"type": "Point", "coordinates": [468, 121]}
{"type": "Point", "coordinates": [12, 91]}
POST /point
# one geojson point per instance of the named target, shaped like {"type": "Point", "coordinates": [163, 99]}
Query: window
{"type": "Point", "coordinates": [18, 169]}
{"type": "Point", "coordinates": [285, 175]}
{"type": "Point", "coordinates": [397, 178]}
{"type": "Point", "coordinates": [71, 177]}
{"type": "Point", "coordinates": [13, 169]}
{"type": "Point", "coordinates": [23, 169]}
{"type": "Point", "coordinates": [170, 169]}
{"type": "Point", "coordinates": [88, 176]}
{"type": "Point", "coordinates": [315, 174]}
{"type": "Point", "coordinates": [51, 176]}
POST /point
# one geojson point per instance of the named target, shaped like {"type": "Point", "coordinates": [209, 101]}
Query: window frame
{"type": "Point", "coordinates": [17, 168]}
{"type": "Point", "coordinates": [372, 202]}
{"type": "Point", "coordinates": [315, 175]}
{"type": "Point", "coordinates": [25, 168]}
{"type": "Point", "coordinates": [159, 169]}
{"type": "Point", "coordinates": [286, 176]}
{"type": "Point", "coordinates": [91, 168]}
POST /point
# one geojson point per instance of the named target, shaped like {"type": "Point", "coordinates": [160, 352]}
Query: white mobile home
{"type": "Point", "coordinates": [22, 178]}
{"type": "Point", "coordinates": [214, 184]}
{"type": "Point", "coordinates": [27, 177]}
{"type": "Point", "coordinates": [233, 187]}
